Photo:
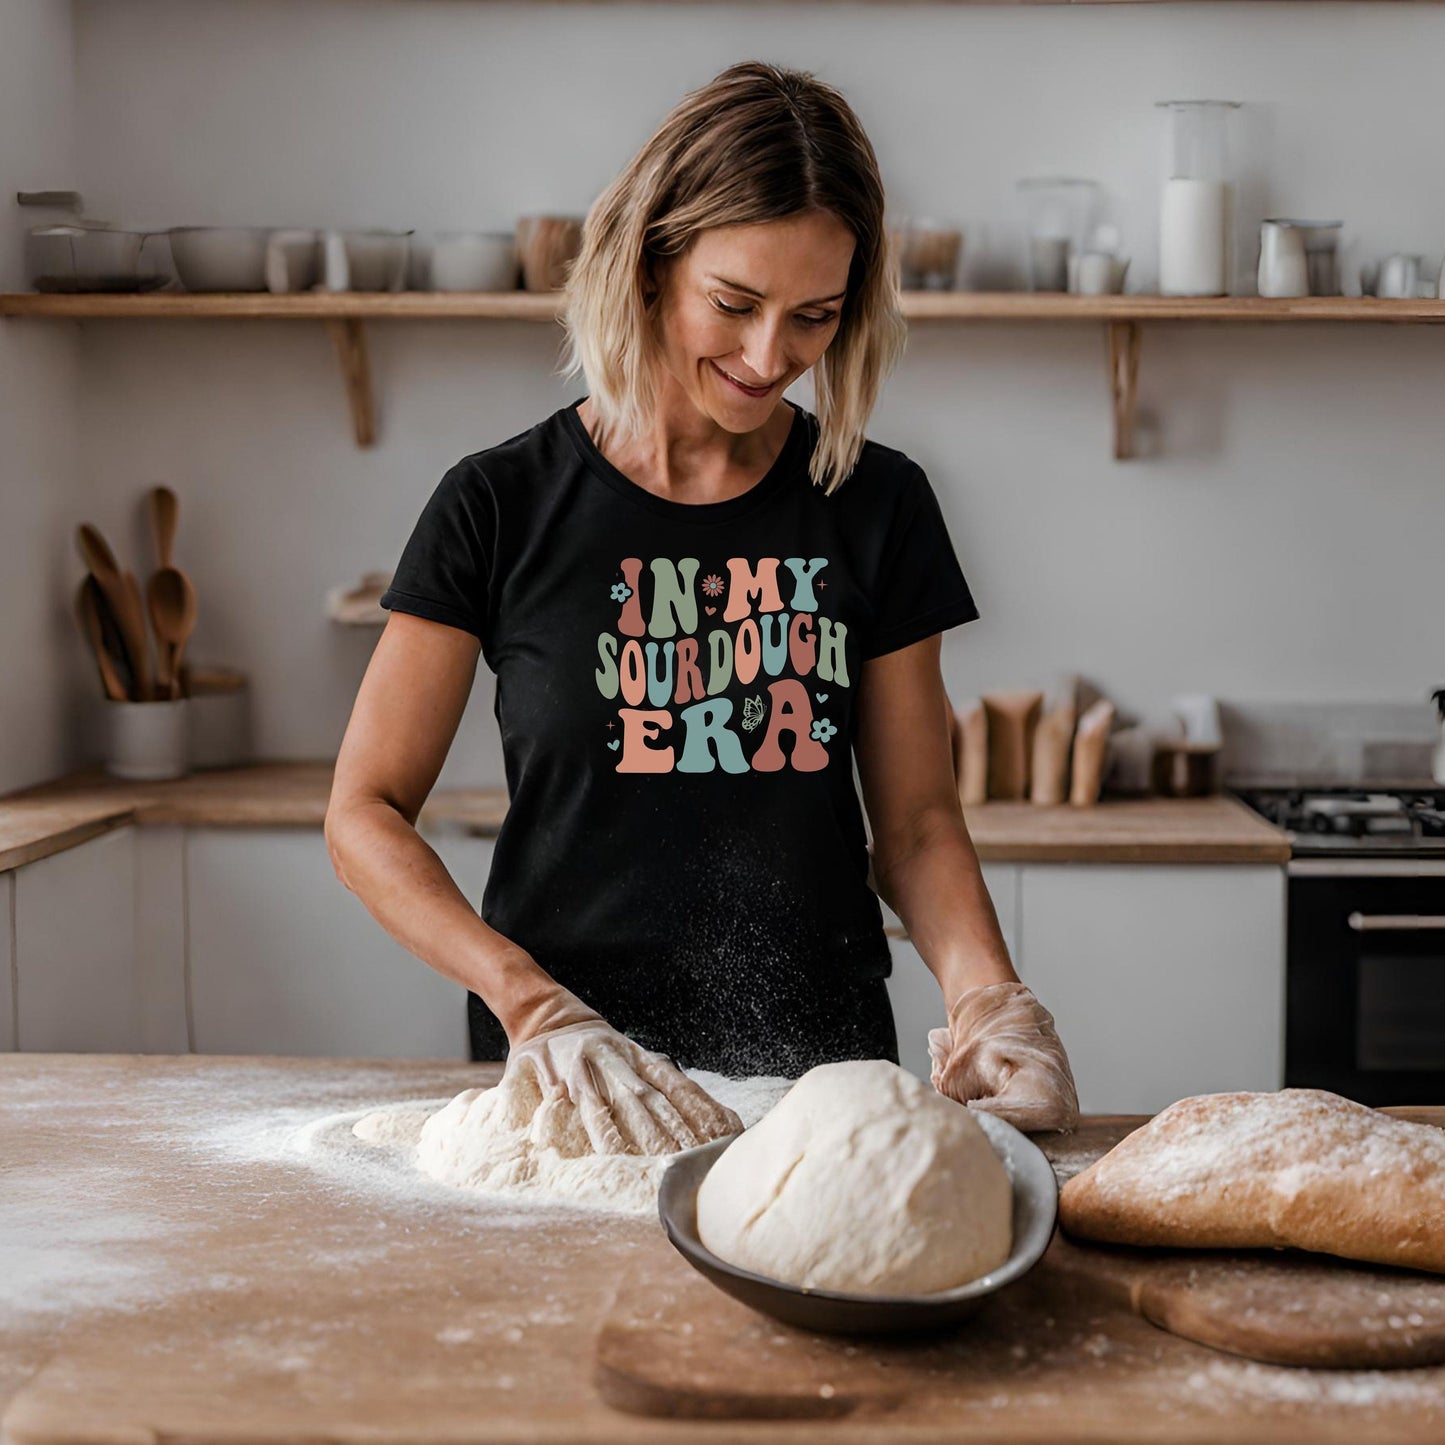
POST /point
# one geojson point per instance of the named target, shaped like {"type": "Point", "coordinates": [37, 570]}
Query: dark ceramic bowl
{"type": "Point", "coordinates": [1035, 1209]}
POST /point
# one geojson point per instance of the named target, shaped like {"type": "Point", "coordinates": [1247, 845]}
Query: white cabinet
{"type": "Point", "coordinates": [1165, 980]}
{"type": "Point", "coordinates": [160, 939]}
{"type": "Point", "coordinates": [284, 960]}
{"type": "Point", "coordinates": [912, 989]}
{"type": "Point", "coordinates": [74, 939]}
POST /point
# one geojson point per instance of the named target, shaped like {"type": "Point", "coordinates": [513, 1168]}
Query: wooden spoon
{"type": "Point", "coordinates": [123, 598]}
{"type": "Point", "coordinates": [110, 636]}
{"type": "Point", "coordinates": [88, 602]}
{"type": "Point", "coordinates": [164, 509]}
{"type": "Point", "coordinates": [172, 601]}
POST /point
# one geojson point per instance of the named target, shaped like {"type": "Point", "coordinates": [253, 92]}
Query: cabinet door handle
{"type": "Point", "coordinates": [1394, 922]}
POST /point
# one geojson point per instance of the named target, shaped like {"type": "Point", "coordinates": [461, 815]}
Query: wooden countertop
{"type": "Point", "coordinates": [177, 1268]}
{"type": "Point", "coordinates": [1217, 829]}
{"type": "Point", "coordinates": [57, 815]}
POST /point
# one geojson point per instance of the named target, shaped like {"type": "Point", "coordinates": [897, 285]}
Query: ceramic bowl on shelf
{"type": "Point", "coordinates": [1035, 1211]}
{"type": "Point", "coordinates": [220, 258]}
{"type": "Point", "coordinates": [468, 261]}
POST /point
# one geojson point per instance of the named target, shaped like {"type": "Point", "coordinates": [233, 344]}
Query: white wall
{"type": "Point", "coordinates": [1280, 539]}
{"type": "Point", "coordinates": [42, 669]}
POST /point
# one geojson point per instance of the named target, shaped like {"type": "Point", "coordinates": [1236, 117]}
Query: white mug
{"type": "Point", "coordinates": [1097, 273]}
{"type": "Point", "coordinates": [1283, 269]}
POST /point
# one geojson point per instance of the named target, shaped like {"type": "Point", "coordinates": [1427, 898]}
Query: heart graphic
{"type": "Point", "coordinates": [615, 744]}
{"type": "Point", "coordinates": [821, 696]}
{"type": "Point", "coordinates": [709, 610]}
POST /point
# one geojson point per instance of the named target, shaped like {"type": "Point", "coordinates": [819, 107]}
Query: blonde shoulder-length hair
{"type": "Point", "coordinates": [758, 143]}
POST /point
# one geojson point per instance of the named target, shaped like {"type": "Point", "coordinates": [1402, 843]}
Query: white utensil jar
{"type": "Point", "coordinates": [147, 740]}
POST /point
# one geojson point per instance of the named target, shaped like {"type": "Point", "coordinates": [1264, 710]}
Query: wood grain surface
{"type": "Point", "coordinates": [1082, 1326]}
{"type": "Point", "coordinates": [190, 1273]}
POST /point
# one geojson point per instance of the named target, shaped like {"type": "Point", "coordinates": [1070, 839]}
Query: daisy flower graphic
{"type": "Point", "coordinates": [712, 585]}
{"type": "Point", "coordinates": [823, 730]}
{"type": "Point", "coordinates": [621, 592]}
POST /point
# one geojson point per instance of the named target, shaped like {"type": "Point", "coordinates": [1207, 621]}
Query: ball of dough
{"type": "Point", "coordinates": [861, 1179]}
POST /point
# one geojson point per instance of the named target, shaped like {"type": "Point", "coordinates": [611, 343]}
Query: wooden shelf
{"type": "Point", "coordinates": [546, 306]}
{"type": "Point", "coordinates": [345, 312]}
{"type": "Point", "coordinates": [302, 306]}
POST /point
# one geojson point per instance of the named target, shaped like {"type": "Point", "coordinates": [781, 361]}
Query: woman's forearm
{"type": "Point", "coordinates": [404, 885]}
{"type": "Point", "coordinates": [932, 881]}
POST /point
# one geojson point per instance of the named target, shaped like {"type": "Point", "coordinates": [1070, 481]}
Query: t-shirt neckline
{"type": "Point", "coordinates": [725, 510]}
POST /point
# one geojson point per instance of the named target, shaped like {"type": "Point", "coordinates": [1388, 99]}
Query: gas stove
{"type": "Point", "coordinates": [1354, 820]}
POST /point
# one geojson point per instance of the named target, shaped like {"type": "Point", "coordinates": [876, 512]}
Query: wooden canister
{"type": "Point", "coordinates": [547, 245]}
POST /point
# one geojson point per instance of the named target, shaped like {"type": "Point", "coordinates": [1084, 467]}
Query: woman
{"type": "Point", "coordinates": [697, 598]}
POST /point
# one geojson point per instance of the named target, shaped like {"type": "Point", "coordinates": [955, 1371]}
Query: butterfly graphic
{"type": "Point", "coordinates": [752, 712]}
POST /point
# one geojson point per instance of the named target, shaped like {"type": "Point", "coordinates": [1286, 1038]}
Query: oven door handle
{"type": "Point", "coordinates": [1394, 922]}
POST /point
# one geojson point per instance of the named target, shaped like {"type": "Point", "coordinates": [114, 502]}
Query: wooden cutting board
{"type": "Point", "coordinates": [1284, 1307]}
{"type": "Point", "coordinates": [690, 1351]}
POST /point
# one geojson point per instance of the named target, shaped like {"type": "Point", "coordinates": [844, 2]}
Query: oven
{"type": "Point", "coordinates": [1365, 936]}
{"type": "Point", "coordinates": [1365, 978]}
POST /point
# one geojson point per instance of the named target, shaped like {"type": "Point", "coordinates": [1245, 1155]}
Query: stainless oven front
{"type": "Point", "coordinates": [1365, 978]}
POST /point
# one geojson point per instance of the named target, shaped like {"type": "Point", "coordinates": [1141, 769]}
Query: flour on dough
{"type": "Point", "coordinates": [497, 1141]}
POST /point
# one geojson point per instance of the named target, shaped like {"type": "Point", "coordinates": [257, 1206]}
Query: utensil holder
{"type": "Point", "coordinates": [147, 740]}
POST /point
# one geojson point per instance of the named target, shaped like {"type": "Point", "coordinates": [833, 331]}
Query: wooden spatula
{"type": "Point", "coordinates": [123, 598]}
{"type": "Point", "coordinates": [88, 603]}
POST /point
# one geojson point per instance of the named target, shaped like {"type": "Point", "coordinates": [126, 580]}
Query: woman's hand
{"type": "Point", "coordinates": [1001, 1052]}
{"type": "Point", "coordinates": [629, 1099]}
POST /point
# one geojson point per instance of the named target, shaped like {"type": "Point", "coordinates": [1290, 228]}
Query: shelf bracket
{"type": "Point", "coordinates": [1123, 340]}
{"type": "Point", "coordinates": [349, 338]}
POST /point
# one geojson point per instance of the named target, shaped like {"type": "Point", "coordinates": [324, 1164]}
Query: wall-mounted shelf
{"type": "Point", "coordinates": [344, 314]}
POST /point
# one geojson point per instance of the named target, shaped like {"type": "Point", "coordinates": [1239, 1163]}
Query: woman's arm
{"type": "Point", "coordinates": [924, 863]}
{"type": "Point", "coordinates": [405, 717]}
{"type": "Point", "coordinates": [406, 714]}
{"type": "Point", "coordinates": [1000, 1050]}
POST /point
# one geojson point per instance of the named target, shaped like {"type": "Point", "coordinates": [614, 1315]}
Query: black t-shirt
{"type": "Point", "coordinates": [684, 843]}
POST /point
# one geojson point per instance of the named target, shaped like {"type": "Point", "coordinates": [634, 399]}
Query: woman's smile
{"type": "Point", "coordinates": [753, 391]}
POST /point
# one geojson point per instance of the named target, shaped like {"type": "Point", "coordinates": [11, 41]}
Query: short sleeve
{"type": "Point", "coordinates": [920, 587]}
{"type": "Point", "coordinates": [446, 566]}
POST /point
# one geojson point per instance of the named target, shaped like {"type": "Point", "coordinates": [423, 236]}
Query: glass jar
{"type": "Point", "coordinates": [1060, 211]}
{"type": "Point", "coordinates": [1196, 212]}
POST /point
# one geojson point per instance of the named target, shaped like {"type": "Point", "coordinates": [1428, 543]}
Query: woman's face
{"type": "Point", "coordinates": [756, 303]}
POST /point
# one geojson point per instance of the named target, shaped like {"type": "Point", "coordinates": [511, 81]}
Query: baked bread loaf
{"type": "Point", "coordinates": [1301, 1167]}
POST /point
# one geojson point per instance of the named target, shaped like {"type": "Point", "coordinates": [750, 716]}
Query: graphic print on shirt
{"type": "Point", "coordinates": [710, 672]}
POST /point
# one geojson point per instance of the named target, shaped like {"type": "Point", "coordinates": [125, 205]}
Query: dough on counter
{"type": "Point", "coordinates": [1299, 1167]}
{"type": "Point", "coordinates": [502, 1141]}
{"type": "Point", "coordinates": [391, 1128]}
{"type": "Point", "coordinates": [862, 1179]}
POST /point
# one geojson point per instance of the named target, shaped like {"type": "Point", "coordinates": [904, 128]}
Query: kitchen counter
{"type": "Point", "coordinates": [181, 1263]}
{"type": "Point", "coordinates": [57, 815]}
